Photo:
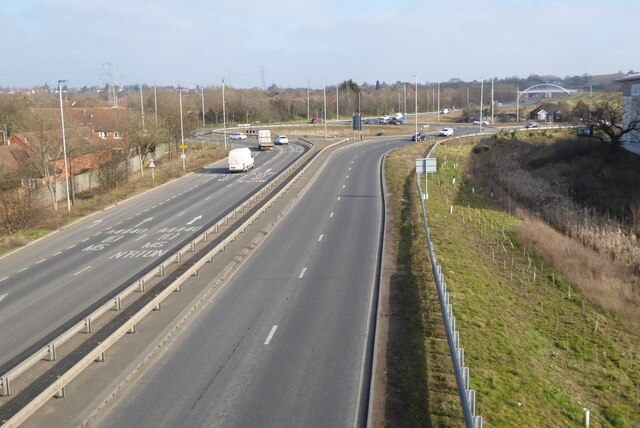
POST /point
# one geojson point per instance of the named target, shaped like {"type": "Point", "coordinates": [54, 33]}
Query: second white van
{"type": "Point", "coordinates": [240, 159]}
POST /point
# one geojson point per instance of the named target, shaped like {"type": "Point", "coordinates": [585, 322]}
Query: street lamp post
{"type": "Point", "coordinates": [64, 146]}
{"type": "Point", "coordinates": [324, 92]}
{"type": "Point", "coordinates": [481, 95]}
{"type": "Point", "coordinates": [224, 118]}
{"type": "Point", "coordinates": [182, 155]}
{"type": "Point", "coordinates": [416, 101]}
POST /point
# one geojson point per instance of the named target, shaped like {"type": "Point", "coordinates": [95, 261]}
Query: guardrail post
{"type": "Point", "coordinates": [205, 236]}
{"type": "Point", "coordinates": [141, 285]}
{"type": "Point", "coordinates": [157, 308]}
{"type": "Point", "coordinates": [132, 330]}
{"type": "Point", "coordinates": [100, 358]}
{"type": "Point", "coordinates": [461, 357]}
{"type": "Point", "coordinates": [161, 270]}
{"type": "Point", "coordinates": [477, 422]}
{"type": "Point", "coordinates": [195, 273]}
{"type": "Point", "coordinates": [193, 246]}
{"type": "Point", "coordinates": [472, 401]}
{"type": "Point", "coordinates": [87, 325]}
{"type": "Point", "coordinates": [465, 374]}
{"type": "Point", "coordinates": [117, 304]}
{"type": "Point", "coordinates": [52, 352]}
{"type": "Point", "coordinates": [178, 257]}
{"type": "Point", "coordinates": [61, 393]}
{"type": "Point", "coordinates": [6, 386]}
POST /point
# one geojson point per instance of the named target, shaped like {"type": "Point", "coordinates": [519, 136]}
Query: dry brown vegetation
{"type": "Point", "coordinates": [584, 191]}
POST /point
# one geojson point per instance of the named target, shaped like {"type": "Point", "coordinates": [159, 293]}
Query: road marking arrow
{"type": "Point", "coordinates": [194, 220]}
{"type": "Point", "coordinates": [144, 221]}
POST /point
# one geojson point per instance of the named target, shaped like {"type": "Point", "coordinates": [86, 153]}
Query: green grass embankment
{"type": "Point", "coordinates": [538, 352]}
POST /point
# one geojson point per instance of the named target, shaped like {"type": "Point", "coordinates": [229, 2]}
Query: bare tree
{"type": "Point", "coordinates": [607, 117]}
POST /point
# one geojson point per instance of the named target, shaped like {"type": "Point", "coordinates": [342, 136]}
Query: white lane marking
{"type": "Point", "coordinates": [271, 333]}
{"type": "Point", "coordinates": [82, 270]}
{"type": "Point", "coordinates": [331, 215]}
{"type": "Point", "coordinates": [344, 185]}
{"type": "Point", "coordinates": [41, 261]}
{"type": "Point", "coordinates": [142, 237]}
{"type": "Point", "coordinates": [2, 296]}
{"type": "Point", "coordinates": [2, 279]}
{"type": "Point", "coordinates": [146, 220]}
{"type": "Point", "coordinates": [194, 220]}
{"type": "Point", "coordinates": [302, 273]}
{"type": "Point", "coordinates": [349, 168]}
{"type": "Point", "coordinates": [70, 247]}
{"type": "Point", "coordinates": [179, 214]}
{"type": "Point", "coordinates": [56, 254]}
{"type": "Point", "coordinates": [320, 238]}
{"type": "Point", "coordinates": [23, 269]}
{"type": "Point", "coordinates": [129, 218]}
{"type": "Point", "coordinates": [339, 197]}
{"type": "Point", "coordinates": [94, 224]}
{"type": "Point", "coordinates": [347, 176]}
{"type": "Point", "coordinates": [229, 185]}
{"type": "Point", "coordinates": [85, 239]}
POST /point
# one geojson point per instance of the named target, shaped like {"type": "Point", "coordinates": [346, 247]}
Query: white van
{"type": "Point", "coordinates": [240, 159]}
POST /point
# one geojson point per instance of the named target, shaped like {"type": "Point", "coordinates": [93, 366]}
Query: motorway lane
{"type": "Point", "coordinates": [45, 284]}
{"type": "Point", "coordinates": [283, 344]}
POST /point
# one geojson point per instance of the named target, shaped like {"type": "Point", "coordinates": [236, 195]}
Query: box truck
{"type": "Point", "coordinates": [240, 159]}
{"type": "Point", "coordinates": [264, 140]}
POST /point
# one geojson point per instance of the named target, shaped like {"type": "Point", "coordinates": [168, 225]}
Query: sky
{"type": "Point", "coordinates": [300, 43]}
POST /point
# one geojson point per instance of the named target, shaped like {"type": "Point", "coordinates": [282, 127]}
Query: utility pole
{"type": "Point", "coordinates": [481, 93]}
{"type": "Point", "coordinates": [155, 102]}
{"type": "Point", "coordinates": [141, 106]}
{"type": "Point", "coordinates": [337, 103]}
{"type": "Point", "coordinates": [438, 102]}
{"type": "Point", "coordinates": [202, 96]}
{"type": "Point", "coordinates": [492, 101]}
{"type": "Point", "coordinates": [405, 98]}
{"type": "Point", "coordinates": [64, 146]}
{"type": "Point", "coordinates": [308, 111]}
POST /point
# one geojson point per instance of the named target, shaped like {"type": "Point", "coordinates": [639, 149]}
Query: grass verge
{"type": "Point", "coordinates": [538, 351]}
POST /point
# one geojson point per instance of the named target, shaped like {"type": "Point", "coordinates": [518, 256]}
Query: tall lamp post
{"type": "Point", "coordinates": [64, 146]}
{"type": "Point", "coordinates": [224, 117]}
{"type": "Point", "coordinates": [182, 155]}
{"type": "Point", "coordinates": [324, 91]}
{"type": "Point", "coordinates": [416, 100]}
{"type": "Point", "coordinates": [481, 94]}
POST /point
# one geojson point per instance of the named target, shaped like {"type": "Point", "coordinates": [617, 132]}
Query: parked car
{"type": "Point", "coordinates": [446, 132]}
{"type": "Point", "coordinates": [419, 136]}
{"type": "Point", "coordinates": [585, 131]}
{"type": "Point", "coordinates": [532, 125]}
{"type": "Point", "coordinates": [395, 121]}
{"type": "Point", "coordinates": [238, 136]}
{"type": "Point", "coordinates": [282, 139]}
{"type": "Point", "coordinates": [484, 122]}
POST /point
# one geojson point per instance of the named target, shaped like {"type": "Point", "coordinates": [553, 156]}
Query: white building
{"type": "Point", "coordinates": [631, 106]}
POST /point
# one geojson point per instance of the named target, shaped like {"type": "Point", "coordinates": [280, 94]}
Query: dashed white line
{"type": "Point", "coordinates": [179, 214]}
{"type": "Point", "coordinates": [85, 239]}
{"type": "Point", "coordinates": [41, 261]}
{"type": "Point", "coordinates": [339, 197]}
{"type": "Point", "coordinates": [56, 253]}
{"type": "Point", "coordinates": [23, 269]}
{"type": "Point", "coordinates": [2, 296]}
{"type": "Point", "coordinates": [71, 246]}
{"type": "Point", "coordinates": [142, 237]}
{"type": "Point", "coordinates": [271, 333]}
{"type": "Point", "coordinates": [331, 215]}
{"type": "Point", "coordinates": [82, 270]}
{"type": "Point", "coordinates": [302, 273]}
{"type": "Point", "coordinates": [347, 176]}
{"type": "Point", "coordinates": [2, 279]}
{"type": "Point", "coordinates": [129, 218]}
{"type": "Point", "coordinates": [320, 238]}
{"type": "Point", "coordinates": [344, 185]}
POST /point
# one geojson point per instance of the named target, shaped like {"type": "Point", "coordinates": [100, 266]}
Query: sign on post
{"type": "Point", "coordinates": [426, 166]}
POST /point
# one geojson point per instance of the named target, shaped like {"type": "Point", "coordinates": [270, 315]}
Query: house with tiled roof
{"type": "Point", "coordinates": [546, 112]}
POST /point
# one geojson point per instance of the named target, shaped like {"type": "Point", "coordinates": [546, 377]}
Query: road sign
{"type": "Point", "coordinates": [183, 146]}
{"type": "Point", "coordinates": [426, 165]}
{"type": "Point", "coordinates": [152, 164]}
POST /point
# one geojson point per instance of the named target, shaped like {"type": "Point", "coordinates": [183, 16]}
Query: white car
{"type": "Point", "coordinates": [239, 136]}
{"type": "Point", "coordinates": [446, 132]}
{"type": "Point", "coordinates": [282, 139]}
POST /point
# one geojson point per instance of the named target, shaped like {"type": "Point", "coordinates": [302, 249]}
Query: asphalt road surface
{"type": "Point", "coordinates": [44, 285]}
{"type": "Point", "coordinates": [286, 343]}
